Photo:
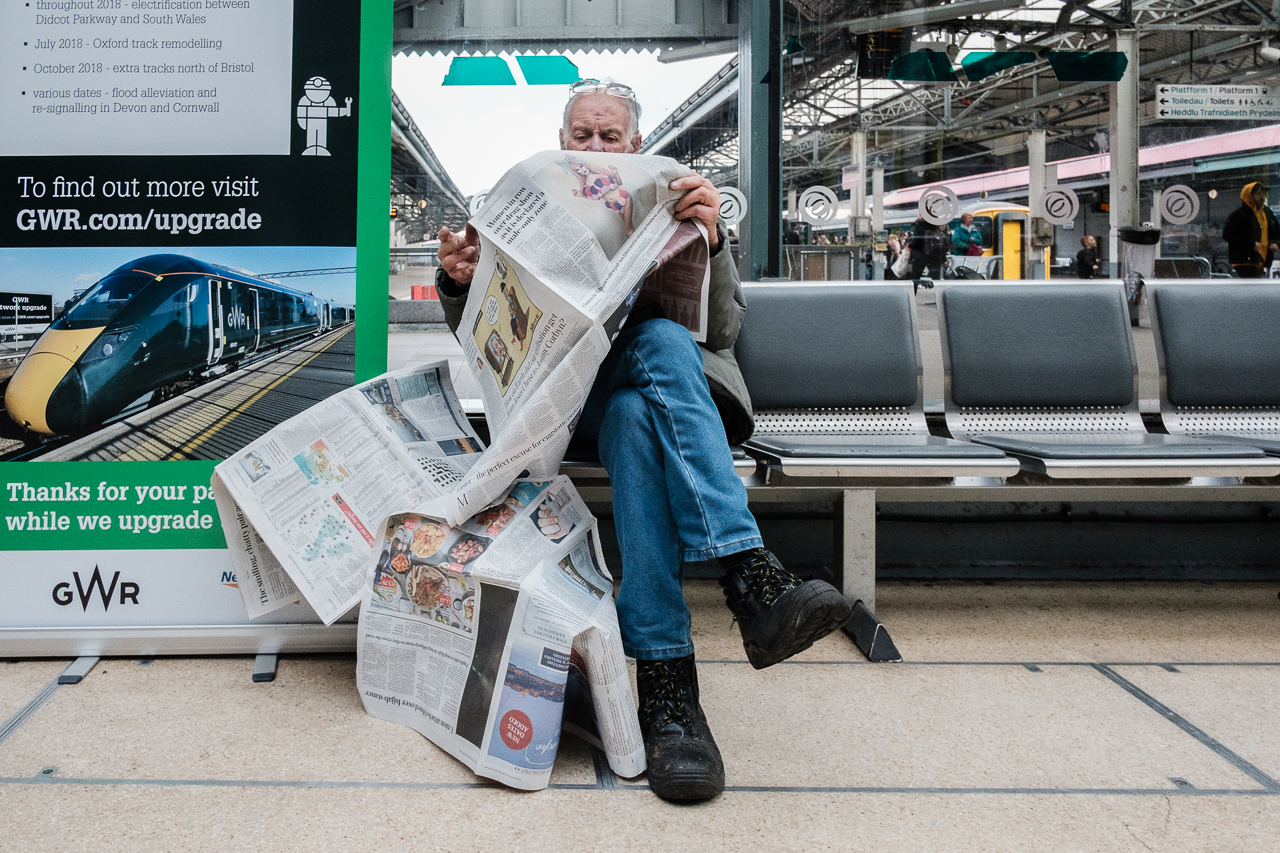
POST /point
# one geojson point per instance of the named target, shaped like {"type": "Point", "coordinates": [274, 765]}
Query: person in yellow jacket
{"type": "Point", "coordinates": [1251, 233]}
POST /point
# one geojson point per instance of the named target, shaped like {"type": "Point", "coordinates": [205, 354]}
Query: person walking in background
{"type": "Point", "coordinates": [893, 248]}
{"type": "Point", "coordinates": [927, 249]}
{"type": "Point", "coordinates": [1251, 233]}
{"type": "Point", "coordinates": [1087, 258]}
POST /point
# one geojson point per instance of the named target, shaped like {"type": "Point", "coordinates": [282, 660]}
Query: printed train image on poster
{"type": "Point", "coordinates": [155, 329]}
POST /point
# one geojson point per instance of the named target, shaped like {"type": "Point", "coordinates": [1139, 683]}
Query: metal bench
{"type": "Point", "coordinates": [1047, 373]}
{"type": "Point", "coordinates": [836, 380]}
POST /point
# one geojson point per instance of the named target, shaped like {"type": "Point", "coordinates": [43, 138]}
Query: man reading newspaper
{"type": "Point", "coordinates": [662, 414]}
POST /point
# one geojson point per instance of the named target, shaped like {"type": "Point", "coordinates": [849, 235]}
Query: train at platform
{"type": "Point", "coordinates": [156, 327]}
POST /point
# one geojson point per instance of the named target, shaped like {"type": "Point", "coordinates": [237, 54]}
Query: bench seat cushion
{"type": "Point", "coordinates": [870, 446]}
{"type": "Point", "coordinates": [1116, 446]}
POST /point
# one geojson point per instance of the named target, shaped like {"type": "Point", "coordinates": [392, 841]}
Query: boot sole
{"type": "Point", "coordinates": [688, 786]}
{"type": "Point", "coordinates": [799, 619]}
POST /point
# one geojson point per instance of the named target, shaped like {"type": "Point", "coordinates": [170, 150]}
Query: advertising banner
{"type": "Point", "coordinates": [183, 187]}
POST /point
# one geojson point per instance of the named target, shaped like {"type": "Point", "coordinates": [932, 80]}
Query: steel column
{"type": "Point", "coordinates": [1124, 148]}
{"type": "Point", "coordinates": [1035, 197]}
{"type": "Point", "coordinates": [760, 138]}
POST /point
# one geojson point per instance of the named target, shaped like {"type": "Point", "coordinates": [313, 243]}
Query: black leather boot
{"type": "Point", "coordinates": [778, 614]}
{"type": "Point", "coordinates": [684, 762]}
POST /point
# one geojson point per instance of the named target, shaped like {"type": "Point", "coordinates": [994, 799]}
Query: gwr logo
{"type": "Point", "coordinates": [236, 318]}
{"type": "Point", "coordinates": [62, 594]}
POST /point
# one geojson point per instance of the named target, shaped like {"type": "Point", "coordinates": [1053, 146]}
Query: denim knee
{"type": "Point", "coordinates": [667, 338]}
{"type": "Point", "coordinates": [625, 413]}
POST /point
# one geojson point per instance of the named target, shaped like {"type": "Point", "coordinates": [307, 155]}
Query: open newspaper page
{"type": "Point", "coordinates": [488, 636]}
{"type": "Point", "coordinates": [314, 489]}
{"type": "Point", "coordinates": [569, 241]}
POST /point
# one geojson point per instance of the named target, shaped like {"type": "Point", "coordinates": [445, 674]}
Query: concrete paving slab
{"type": "Point", "coordinates": [1236, 705]}
{"type": "Point", "coordinates": [20, 681]}
{"type": "Point", "coordinates": [1072, 621]}
{"type": "Point", "coordinates": [90, 819]}
{"type": "Point", "coordinates": [948, 727]}
{"type": "Point", "coordinates": [201, 719]}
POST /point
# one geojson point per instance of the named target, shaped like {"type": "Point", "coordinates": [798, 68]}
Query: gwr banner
{"type": "Point", "coordinates": [181, 192]}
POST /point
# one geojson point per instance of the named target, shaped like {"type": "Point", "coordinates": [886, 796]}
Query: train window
{"type": "Point", "coordinates": [101, 302]}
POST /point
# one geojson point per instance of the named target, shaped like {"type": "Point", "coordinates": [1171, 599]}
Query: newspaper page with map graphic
{"type": "Point", "coordinates": [302, 504]}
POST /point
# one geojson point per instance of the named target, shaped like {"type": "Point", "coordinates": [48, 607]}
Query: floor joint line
{"type": "Point", "coordinates": [1227, 754]}
{"type": "Point", "coordinates": [15, 722]}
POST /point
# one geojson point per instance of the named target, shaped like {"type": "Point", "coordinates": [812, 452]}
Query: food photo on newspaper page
{"type": "Point", "coordinates": [486, 614]}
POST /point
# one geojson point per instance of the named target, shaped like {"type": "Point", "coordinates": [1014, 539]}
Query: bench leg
{"type": "Point", "coordinates": [856, 545]}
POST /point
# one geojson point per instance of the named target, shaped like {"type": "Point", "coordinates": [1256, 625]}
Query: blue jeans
{"type": "Point", "coordinates": [675, 494]}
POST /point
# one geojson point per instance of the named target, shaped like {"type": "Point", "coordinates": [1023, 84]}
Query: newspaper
{"type": "Point", "coordinates": [302, 505]}
{"type": "Point", "coordinates": [491, 636]}
{"type": "Point", "coordinates": [384, 497]}
{"type": "Point", "coordinates": [570, 243]}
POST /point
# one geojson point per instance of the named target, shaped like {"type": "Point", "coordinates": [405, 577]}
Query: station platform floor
{"type": "Point", "coordinates": [1026, 716]}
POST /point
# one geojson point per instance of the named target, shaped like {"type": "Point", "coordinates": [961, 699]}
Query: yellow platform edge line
{"type": "Point", "coordinates": [186, 449]}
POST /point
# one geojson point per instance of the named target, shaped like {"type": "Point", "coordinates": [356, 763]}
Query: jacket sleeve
{"type": "Point", "coordinates": [725, 303]}
{"type": "Point", "coordinates": [453, 298]}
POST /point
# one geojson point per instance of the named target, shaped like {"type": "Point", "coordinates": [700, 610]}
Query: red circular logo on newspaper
{"type": "Point", "coordinates": [516, 729]}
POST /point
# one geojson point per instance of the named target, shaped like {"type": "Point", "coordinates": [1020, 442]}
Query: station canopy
{"type": "Point", "coordinates": [943, 90]}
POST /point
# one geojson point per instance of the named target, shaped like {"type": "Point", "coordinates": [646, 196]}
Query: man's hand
{"type": "Point", "coordinates": [701, 201]}
{"type": "Point", "coordinates": [458, 254]}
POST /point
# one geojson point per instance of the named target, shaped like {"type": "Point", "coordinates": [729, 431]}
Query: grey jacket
{"type": "Point", "coordinates": [727, 307]}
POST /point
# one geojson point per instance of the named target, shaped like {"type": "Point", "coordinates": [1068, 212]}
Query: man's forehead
{"type": "Point", "coordinates": [597, 107]}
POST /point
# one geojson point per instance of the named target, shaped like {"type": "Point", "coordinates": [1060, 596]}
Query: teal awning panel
{"type": "Point", "coordinates": [548, 70]}
{"type": "Point", "coordinates": [923, 66]}
{"type": "Point", "coordinates": [982, 64]}
{"type": "Point", "coordinates": [479, 71]}
{"type": "Point", "coordinates": [1100, 66]}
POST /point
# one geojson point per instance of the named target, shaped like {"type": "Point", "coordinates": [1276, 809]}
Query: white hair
{"type": "Point", "coordinates": [633, 108]}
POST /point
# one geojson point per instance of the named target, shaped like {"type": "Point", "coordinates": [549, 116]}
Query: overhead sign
{"type": "Point", "coordinates": [1216, 103]}
{"type": "Point", "coordinates": [851, 177]}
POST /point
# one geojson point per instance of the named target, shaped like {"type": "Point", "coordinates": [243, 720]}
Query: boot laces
{"type": "Point", "coordinates": [766, 578]}
{"type": "Point", "coordinates": [665, 700]}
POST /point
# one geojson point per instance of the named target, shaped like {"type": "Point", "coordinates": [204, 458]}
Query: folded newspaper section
{"type": "Point", "coordinates": [569, 241]}
{"type": "Point", "coordinates": [488, 571]}
{"type": "Point", "coordinates": [314, 489]}
{"type": "Point", "coordinates": [488, 635]}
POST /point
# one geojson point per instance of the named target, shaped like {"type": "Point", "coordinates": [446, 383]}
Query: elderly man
{"type": "Point", "coordinates": [662, 414]}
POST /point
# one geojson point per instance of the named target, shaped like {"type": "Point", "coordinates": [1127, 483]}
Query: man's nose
{"type": "Point", "coordinates": [596, 144]}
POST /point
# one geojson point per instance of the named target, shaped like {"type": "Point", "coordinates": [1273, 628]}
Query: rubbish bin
{"type": "Point", "coordinates": [1139, 252]}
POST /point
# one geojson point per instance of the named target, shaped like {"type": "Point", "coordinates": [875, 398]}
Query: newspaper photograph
{"type": "Point", "coordinates": [486, 637]}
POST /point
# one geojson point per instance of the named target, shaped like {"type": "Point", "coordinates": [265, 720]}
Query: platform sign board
{"type": "Point", "coordinates": [192, 198]}
{"type": "Point", "coordinates": [1216, 103]}
{"type": "Point", "coordinates": [22, 309]}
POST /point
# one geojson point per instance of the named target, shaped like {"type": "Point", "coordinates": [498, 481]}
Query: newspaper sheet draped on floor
{"type": "Point", "coordinates": [486, 611]}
